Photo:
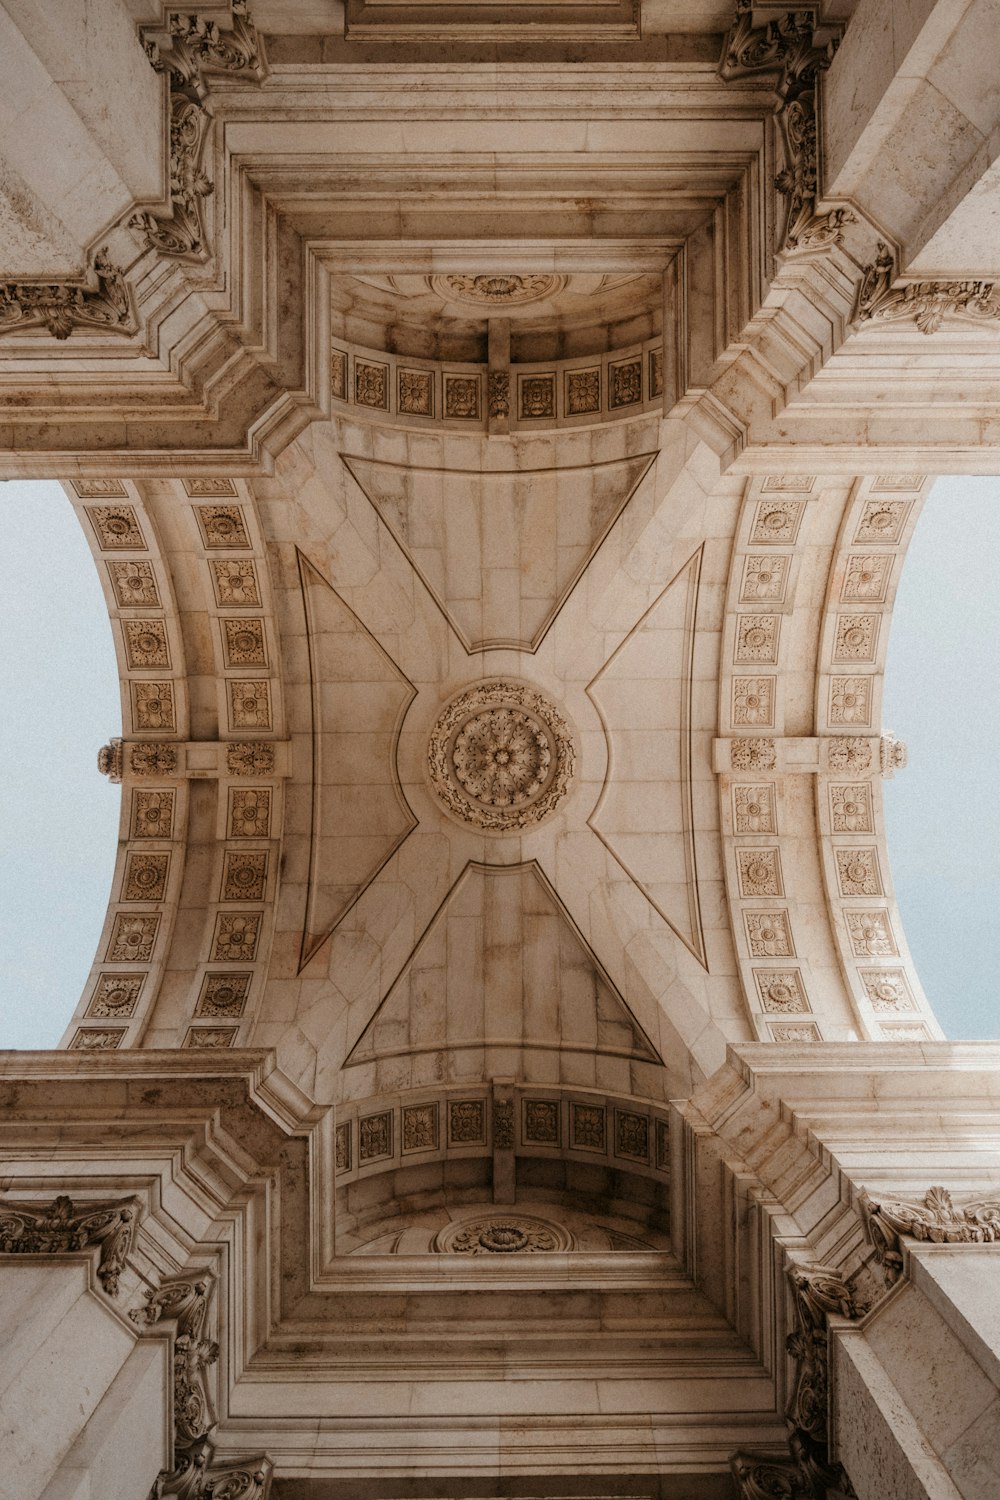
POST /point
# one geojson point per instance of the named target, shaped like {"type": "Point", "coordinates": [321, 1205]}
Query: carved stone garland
{"type": "Point", "coordinates": [103, 301]}
{"type": "Point", "coordinates": [194, 1475]}
{"type": "Point", "coordinates": [787, 46]}
{"type": "Point", "coordinates": [195, 47]}
{"type": "Point", "coordinates": [500, 756]}
{"type": "Point", "coordinates": [926, 302]}
{"type": "Point", "coordinates": [31, 1229]}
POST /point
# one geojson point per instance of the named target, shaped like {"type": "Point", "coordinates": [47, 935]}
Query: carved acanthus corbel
{"type": "Point", "coordinates": [937, 1220]}
{"type": "Point", "coordinates": [193, 49]}
{"type": "Point", "coordinates": [819, 1292]}
{"type": "Point", "coordinates": [791, 47]}
{"type": "Point", "coordinates": [109, 760]}
{"type": "Point", "coordinates": [893, 755]}
{"type": "Point", "coordinates": [31, 1229]}
{"type": "Point", "coordinates": [927, 303]}
{"type": "Point", "coordinates": [799, 1476]}
{"type": "Point", "coordinates": [196, 1475]}
{"type": "Point", "coordinates": [760, 1478]}
{"type": "Point", "coordinates": [187, 1301]}
{"type": "Point", "coordinates": [124, 758]}
{"type": "Point", "coordinates": [103, 301]}
{"type": "Point", "coordinates": [822, 230]}
{"type": "Point", "coordinates": [807, 1473]}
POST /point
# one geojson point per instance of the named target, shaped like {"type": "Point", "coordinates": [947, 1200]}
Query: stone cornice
{"type": "Point", "coordinates": [772, 1149]}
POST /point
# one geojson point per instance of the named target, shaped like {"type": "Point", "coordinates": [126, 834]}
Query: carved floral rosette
{"type": "Point", "coordinates": [503, 1234]}
{"type": "Point", "coordinates": [496, 290]}
{"type": "Point", "coordinates": [500, 756]}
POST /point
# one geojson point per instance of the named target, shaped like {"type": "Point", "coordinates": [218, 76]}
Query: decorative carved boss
{"type": "Point", "coordinates": [500, 756]}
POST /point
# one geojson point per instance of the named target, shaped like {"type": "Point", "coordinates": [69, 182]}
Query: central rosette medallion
{"type": "Point", "coordinates": [493, 1235]}
{"type": "Point", "coordinates": [500, 756]}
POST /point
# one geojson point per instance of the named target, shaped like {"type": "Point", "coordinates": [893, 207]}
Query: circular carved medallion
{"type": "Point", "coordinates": [496, 291]}
{"type": "Point", "coordinates": [500, 756]}
{"type": "Point", "coordinates": [495, 1234]}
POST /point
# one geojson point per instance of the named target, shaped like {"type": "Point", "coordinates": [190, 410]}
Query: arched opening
{"type": "Point", "coordinates": [60, 697]}
{"type": "Point", "coordinates": [943, 814]}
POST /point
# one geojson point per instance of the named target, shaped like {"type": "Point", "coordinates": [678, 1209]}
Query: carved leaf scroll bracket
{"type": "Point", "coordinates": [794, 49]}
{"type": "Point", "coordinates": [927, 303]}
{"type": "Point", "coordinates": [196, 1475]}
{"type": "Point", "coordinates": [819, 1293]}
{"type": "Point", "coordinates": [102, 301]}
{"type": "Point", "coordinates": [31, 1229]}
{"type": "Point", "coordinates": [935, 1220]}
{"type": "Point", "coordinates": [808, 1473]}
{"type": "Point", "coordinates": [192, 50]}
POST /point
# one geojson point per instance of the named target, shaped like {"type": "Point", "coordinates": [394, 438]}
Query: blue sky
{"type": "Point", "coordinates": [59, 817]}
{"type": "Point", "coordinates": [942, 696]}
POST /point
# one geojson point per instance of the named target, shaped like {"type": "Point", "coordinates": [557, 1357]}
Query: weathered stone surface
{"type": "Point", "coordinates": [499, 431]}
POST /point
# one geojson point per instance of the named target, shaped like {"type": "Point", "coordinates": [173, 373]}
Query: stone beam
{"type": "Point", "coordinates": [75, 79]}
{"type": "Point", "coordinates": [911, 126]}
{"type": "Point", "coordinates": [893, 1372]}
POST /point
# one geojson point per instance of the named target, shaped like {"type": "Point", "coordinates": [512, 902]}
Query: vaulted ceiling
{"type": "Point", "coordinates": [499, 451]}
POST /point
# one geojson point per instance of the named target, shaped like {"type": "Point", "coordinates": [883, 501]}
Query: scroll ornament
{"type": "Point", "coordinates": [30, 1229]}
{"type": "Point", "coordinates": [195, 48]}
{"type": "Point", "coordinates": [103, 301]}
{"type": "Point", "coordinates": [927, 303]}
{"type": "Point", "coordinates": [195, 1475]}
{"type": "Point", "coordinates": [791, 47]}
{"type": "Point", "coordinates": [808, 1472]}
{"type": "Point", "coordinates": [820, 1293]}
{"type": "Point", "coordinates": [936, 1220]}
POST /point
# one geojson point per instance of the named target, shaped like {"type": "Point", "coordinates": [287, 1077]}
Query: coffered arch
{"type": "Point", "coordinates": [202, 764]}
{"type": "Point", "coordinates": [666, 900]}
